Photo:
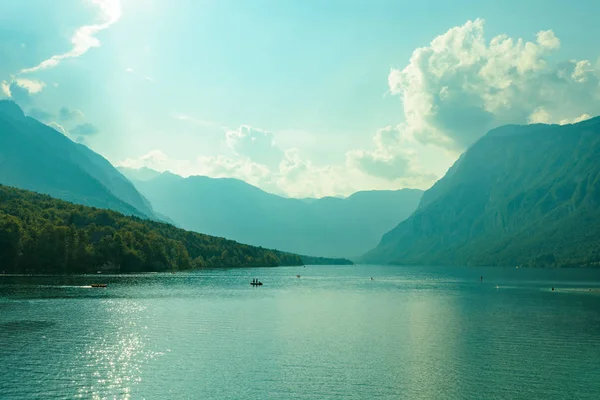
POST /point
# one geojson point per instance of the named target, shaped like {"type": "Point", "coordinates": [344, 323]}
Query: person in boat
{"type": "Point", "coordinates": [253, 281]}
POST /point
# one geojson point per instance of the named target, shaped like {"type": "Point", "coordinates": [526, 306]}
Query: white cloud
{"type": "Point", "coordinates": [58, 127]}
{"type": "Point", "coordinates": [5, 86]}
{"type": "Point", "coordinates": [393, 158]}
{"type": "Point", "coordinates": [32, 85]}
{"type": "Point", "coordinates": [548, 40]}
{"type": "Point", "coordinates": [582, 117]}
{"type": "Point", "coordinates": [29, 86]}
{"type": "Point", "coordinates": [154, 159]}
{"type": "Point", "coordinates": [539, 116]}
{"type": "Point", "coordinates": [255, 144]}
{"type": "Point", "coordinates": [453, 91]}
{"type": "Point", "coordinates": [295, 176]}
{"type": "Point", "coordinates": [460, 86]}
{"type": "Point", "coordinates": [84, 37]}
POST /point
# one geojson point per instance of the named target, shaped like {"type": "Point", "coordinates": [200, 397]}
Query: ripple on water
{"type": "Point", "coordinates": [409, 333]}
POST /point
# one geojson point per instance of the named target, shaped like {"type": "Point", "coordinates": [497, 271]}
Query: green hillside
{"type": "Point", "coordinates": [521, 195]}
{"type": "Point", "coordinates": [40, 234]}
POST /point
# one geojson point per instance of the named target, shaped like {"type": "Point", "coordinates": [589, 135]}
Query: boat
{"type": "Point", "coordinates": [297, 276]}
{"type": "Point", "coordinates": [99, 285]}
{"type": "Point", "coordinates": [256, 282]}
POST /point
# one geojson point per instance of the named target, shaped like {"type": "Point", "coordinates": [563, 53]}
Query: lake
{"type": "Point", "coordinates": [333, 333]}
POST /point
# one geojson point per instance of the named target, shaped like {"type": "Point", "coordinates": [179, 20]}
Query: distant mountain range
{"type": "Point", "coordinates": [36, 157]}
{"type": "Point", "coordinates": [522, 195]}
{"type": "Point", "coordinates": [328, 227]}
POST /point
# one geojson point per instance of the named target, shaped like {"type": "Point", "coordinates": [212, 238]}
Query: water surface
{"type": "Point", "coordinates": [412, 332]}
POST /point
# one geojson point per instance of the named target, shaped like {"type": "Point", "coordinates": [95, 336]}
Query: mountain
{"type": "Point", "coordinates": [34, 156]}
{"type": "Point", "coordinates": [40, 234]}
{"type": "Point", "coordinates": [328, 227]}
{"type": "Point", "coordinates": [521, 195]}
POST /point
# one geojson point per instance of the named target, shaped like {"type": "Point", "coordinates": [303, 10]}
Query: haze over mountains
{"type": "Point", "coordinates": [36, 157]}
{"type": "Point", "coordinates": [521, 195]}
{"type": "Point", "coordinates": [329, 227]}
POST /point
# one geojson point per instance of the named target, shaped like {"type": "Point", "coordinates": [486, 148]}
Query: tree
{"type": "Point", "coordinates": [11, 237]}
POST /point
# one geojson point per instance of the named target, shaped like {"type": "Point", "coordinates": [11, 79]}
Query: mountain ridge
{"type": "Point", "coordinates": [327, 227]}
{"type": "Point", "coordinates": [516, 197]}
{"type": "Point", "coordinates": [36, 157]}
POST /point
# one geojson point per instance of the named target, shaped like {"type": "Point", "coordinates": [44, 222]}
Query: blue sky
{"type": "Point", "coordinates": [302, 98]}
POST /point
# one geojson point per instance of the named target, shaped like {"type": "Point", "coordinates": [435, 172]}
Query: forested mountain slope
{"type": "Point", "coordinates": [521, 195]}
{"type": "Point", "coordinates": [40, 234]}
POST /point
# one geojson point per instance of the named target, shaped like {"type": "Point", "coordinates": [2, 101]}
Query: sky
{"type": "Point", "coordinates": [304, 98]}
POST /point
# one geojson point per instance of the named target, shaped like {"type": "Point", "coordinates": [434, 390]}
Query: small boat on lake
{"type": "Point", "coordinates": [99, 285]}
{"type": "Point", "coordinates": [256, 282]}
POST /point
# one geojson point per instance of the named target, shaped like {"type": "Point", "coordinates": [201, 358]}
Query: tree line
{"type": "Point", "coordinates": [40, 234]}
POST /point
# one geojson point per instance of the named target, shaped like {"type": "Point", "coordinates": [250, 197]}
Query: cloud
{"type": "Point", "coordinates": [155, 159]}
{"type": "Point", "coordinates": [460, 86]}
{"type": "Point", "coordinates": [31, 85]}
{"type": "Point", "coordinates": [84, 37]}
{"type": "Point", "coordinates": [65, 114]}
{"type": "Point", "coordinates": [40, 114]}
{"type": "Point", "coordinates": [20, 89]}
{"type": "Point", "coordinates": [582, 117]}
{"type": "Point", "coordinates": [85, 129]}
{"type": "Point", "coordinates": [58, 127]}
{"type": "Point", "coordinates": [452, 91]}
{"type": "Point", "coordinates": [19, 94]}
{"type": "Point", "coordinates": [5, 87]}
{"type": "Point", "coordinates": [539, 116]}
{"type": "Point", "coordinates": [255, 144]}
{"type": "Point", "coordinates": [393, 157]}
{"type": "Point", "coordinates": [295, 176]}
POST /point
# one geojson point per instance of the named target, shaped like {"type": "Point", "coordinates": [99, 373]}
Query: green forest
{"type": "Point", "coordinates": [40, 234]}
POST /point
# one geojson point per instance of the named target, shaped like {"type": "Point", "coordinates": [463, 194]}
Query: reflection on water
{"type": "Point", "coordinates": [409, 333]}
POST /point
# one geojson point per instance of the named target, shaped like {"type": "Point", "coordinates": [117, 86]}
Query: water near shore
{"type": "Point", "coordinates": [333, 333]}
